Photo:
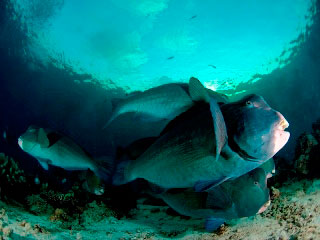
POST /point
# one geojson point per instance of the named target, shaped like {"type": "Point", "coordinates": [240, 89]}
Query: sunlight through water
{"type": "Point", "coordinates": [137, 44]}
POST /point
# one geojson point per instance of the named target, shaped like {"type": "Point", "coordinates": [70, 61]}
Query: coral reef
{"type": "Point", "coordinates": [11, 176]}
{"type": "Point", "coordinates": [293, 214]}
{"type": "Point", "coordinates": [38, 205]}
{"type": "Point", "coordinates": [306, 144]}
{"type": "Point", "coordinates": [307, 155]}
{"type": "Point", "coordinates": [316, 129]}
{"type": "Point", "coordinates": [96, 212]}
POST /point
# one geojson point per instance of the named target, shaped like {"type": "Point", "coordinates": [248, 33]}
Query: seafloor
{"type": "Point", "coordinates": [294, 214]}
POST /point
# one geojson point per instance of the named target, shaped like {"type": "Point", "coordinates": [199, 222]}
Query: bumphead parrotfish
{"type": "Point", "coordinates": [242, 197]}
{"type": "Point", "coordinates": [52, 148]}
{"type": "Point", "coordinates": [163, 102]}
{"type": "Point", "coordinates": [206, 145]}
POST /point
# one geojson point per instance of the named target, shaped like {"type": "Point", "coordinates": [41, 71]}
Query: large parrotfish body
{"type": "Point", "coordinates": [206, 145]}
{"type": "Point", "coordinates": [164, 102]}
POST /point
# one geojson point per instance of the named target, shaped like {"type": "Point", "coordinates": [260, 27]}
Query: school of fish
{"type": "Point", "coordinates": [212, 160]}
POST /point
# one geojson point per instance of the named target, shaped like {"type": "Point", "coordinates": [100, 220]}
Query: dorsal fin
{"type": "Point", "coordinates": [197, 91]}
{"type": "Point", "coordinates": [43, 139]}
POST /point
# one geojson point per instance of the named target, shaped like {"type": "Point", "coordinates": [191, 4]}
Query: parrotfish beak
{"type": "Point", "coordinates": [281, 136]}
{"type": "Point", "coordinates": [20, 142]}
{"type": "Point", "coordinates": [270, 175]}
{"type": "Point", "coordinates": [283, 122]}
{"type": "Point", "coordinates": [264, 207]}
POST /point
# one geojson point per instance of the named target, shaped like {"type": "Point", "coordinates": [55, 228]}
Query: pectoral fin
{"type": "Point", "coordinates": [213, 224]}
{"type": "Point", "coordinates": [43, 139]}
{"type": "Point", "coordinates": [220, 129]}
{"type": "Point", "coordinates": [145, 117]}
{"type": "Point", "coordinates": [202, 186]}
{"type": "Point", "coordinates": [43, 163]}
{"type": "Point", "coordinates": [218, 198]}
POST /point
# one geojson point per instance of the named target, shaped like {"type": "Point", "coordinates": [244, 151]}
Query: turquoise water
{"type": "Point", "coordinates": [66, 65]}
{"type": "Point", "coordinates": [136, 45]}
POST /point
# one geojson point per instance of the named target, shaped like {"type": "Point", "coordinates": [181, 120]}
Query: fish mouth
{"type": "Point", "coordinates": [264, 207]}
{"type": "Point", "coordinates": [283, 124]}
{"type": "Point", "coordinates": [269, 175]}
{"type": "Point", "coordinates": [20, 142]}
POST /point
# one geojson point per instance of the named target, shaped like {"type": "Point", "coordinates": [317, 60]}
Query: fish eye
{"type": "Point", "coordinates": [249, 103]}
{"type": "Point", "coordinates": [256, 183]}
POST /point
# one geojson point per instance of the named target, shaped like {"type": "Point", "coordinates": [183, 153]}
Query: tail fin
{"type": "Point", "coordinates": [114, 114]}
{"type": "Point", "coordinates": [119, 177]}
{"type": "Point", "coordinates": [108, 123]}
{"type": "Point", "coordinates": [105, 167]}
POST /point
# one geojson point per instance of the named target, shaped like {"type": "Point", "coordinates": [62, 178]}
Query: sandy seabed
{"type": "Point", "coordinates": [294, 214]}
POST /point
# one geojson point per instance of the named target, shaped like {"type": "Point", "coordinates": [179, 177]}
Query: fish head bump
{"type": "Point", "coordinates": [28, 141]}
{"type": "Point", "coordinates": [255, 130]}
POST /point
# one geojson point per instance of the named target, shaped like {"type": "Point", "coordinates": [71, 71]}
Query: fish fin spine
{"type": "Point", "coordinates": [220, 129]}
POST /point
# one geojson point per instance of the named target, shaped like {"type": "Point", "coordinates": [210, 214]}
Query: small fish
{"type": "Point", "coordinates": [169, 58]}
{"type": "Point", "coordinates": [210, 65]}
{"type": "Point", "coordinates": [206, 145]}
{"type": "Point", "coordinates": [37, 181]}
{"type": "Point", "coordinates": [242, 197]}
{"type": "Point", "coordinates": [193, 17]}
{"type": "Point", "coordinates": [52, 148]}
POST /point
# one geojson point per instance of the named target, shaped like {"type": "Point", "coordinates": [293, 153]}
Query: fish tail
{"type": "Point", "coordinates": [109, 122]}
{"type": "Point", "coordinates": [119, 177]}
{"type": "Point", "coordinates": [114, 112]}
{"type": "Point", "coordinates": [104, 168]}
